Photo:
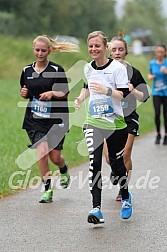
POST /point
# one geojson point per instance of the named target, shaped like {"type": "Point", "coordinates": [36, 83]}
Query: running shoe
{"type": "Point", "coordinates": [47, 196]}
{"type": "Point", "coordinates": [165, 140]}
{"type": "Point", "coordinates": [127, 209]}
{"type": "Point", "coordinates": [114, 179]}
{"type": "Point", "coordinates": [95, 216]}
{"type": "Point", "coordinates": [158, 138]}
{"type": "Point", "coordinates": [119, 196]}
{"type": "Point", "coordinates": [65, 179]}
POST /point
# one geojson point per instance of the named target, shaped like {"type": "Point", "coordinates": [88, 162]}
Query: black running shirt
{"type": "Point", "coordinates": [51, 78]}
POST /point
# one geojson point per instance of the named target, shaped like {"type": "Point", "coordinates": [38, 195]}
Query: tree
{"type": "Point", "coordinates": [7, 23]}
{"type": "Point", "coordinates": [74, 17]}
{"type": "Point", "coordinates": [144, 15]}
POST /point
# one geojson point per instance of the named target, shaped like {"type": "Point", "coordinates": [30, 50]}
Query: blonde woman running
{"type": "Point", "coordinates": [46, 122]}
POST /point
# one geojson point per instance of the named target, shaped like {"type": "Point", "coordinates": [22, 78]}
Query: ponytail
{"type": "Point", "coordinates": [56, 46]}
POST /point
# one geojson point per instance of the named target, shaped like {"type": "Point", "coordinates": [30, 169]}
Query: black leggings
{"type": "Point", "coordinates": [158, 101]}
{"type": "Point", "coordinates": [116, 141]}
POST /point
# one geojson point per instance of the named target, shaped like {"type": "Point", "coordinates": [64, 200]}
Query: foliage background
{"type": "Point", "coordinates": [21, 21]}
{"type": "Point", "coordinates": [13, 140]}
{"type": "Point", "coordinates": [78, 18]}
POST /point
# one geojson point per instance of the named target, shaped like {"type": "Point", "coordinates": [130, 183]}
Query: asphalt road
{"type": "Point", "coordinates": [61, 226]}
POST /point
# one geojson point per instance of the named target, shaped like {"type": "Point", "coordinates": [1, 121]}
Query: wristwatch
{"type": "Point", "coordinates": [109, 92]}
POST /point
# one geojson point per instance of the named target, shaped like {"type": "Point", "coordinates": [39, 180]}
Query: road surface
{"type": "Point", "coordinates": [61, 226]}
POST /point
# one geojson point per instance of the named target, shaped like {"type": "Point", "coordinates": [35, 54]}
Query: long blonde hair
{"type": "Point", "coordinates": [56, 46]}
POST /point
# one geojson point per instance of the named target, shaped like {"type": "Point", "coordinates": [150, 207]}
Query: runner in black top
{"type": "Point", "coordinates": [137, 91]}
{"type": "Point", "coordinates": [46, 120]}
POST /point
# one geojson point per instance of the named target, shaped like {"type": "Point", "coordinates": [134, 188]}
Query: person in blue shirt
{"type": "Point", "coordinates": [158, 74]}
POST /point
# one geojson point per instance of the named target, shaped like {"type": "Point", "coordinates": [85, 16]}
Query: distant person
{"type": "Point", "coordinates": [46, 122]}
{"type": "Point", "coordinates": [137, 91]}
{"type": "Point", "coordinates": [158, 74]}
{"type": "Point", "coordinates": [106, 84]}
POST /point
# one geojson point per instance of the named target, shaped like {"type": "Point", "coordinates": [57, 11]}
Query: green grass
{"type": "Point", "coordinates": [16, 53]}
{"type": "Point", "coordinates": [145, 110]}
{"type": "Point", "coordinates": [13, 140]}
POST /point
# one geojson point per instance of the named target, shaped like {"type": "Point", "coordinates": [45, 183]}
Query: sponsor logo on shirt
{"type": "Point", "coordinates": [107, 73]}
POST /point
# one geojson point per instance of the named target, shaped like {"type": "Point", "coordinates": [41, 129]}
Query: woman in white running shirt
{"type": "Point", "coordinates": [106, 84]}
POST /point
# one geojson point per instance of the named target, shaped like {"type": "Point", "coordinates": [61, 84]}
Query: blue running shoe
{"type": "Point", "coordinates": [127, 209]}
{"type": "Point", "coordinates": [95, 216]}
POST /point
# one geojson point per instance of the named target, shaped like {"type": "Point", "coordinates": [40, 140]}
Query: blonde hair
{"type": "Point", "coordinates": [56, 46]}
{"type": "Point", "coordinates": [119, 37]}
{"type": "Point", "coordinates": [96, 34]}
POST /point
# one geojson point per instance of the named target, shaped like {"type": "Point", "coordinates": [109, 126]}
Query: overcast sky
{"type": "Point", "coordinates": [164, 4]}
{"type": "Point", "coordinates": [120, 3]}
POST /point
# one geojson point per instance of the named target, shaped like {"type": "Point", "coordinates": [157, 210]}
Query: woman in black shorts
{"type": "Point", "coordinates": [137, 91]}
{"type": "Point", "coordinates": [46, 119]}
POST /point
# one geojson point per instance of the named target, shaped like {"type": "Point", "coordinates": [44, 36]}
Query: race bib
{"type": "Point", "coordinates": [159, 85]}
{"type": "Point", "coordinates": [41, 108]}
{"type": "Point", "coordinates": [101, 107]}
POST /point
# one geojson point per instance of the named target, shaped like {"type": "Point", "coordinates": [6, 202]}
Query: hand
{"type": "Point", "coordinates": [78, 102]}
{"type": "Point", "coordinates": [163, 69]}
{"type": "Point", "coordinates": [151, 77]}
{"type": "Point", "coordinates": [24, 92]}
{"type": "Point", "coordinates": [46, 96]}
{"type": "Point", "coordinates": [138, 94]}
{"type": "Point", "coordinates": [131, 87]}
{"type": "Point", "coordinates": [98, 88]}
